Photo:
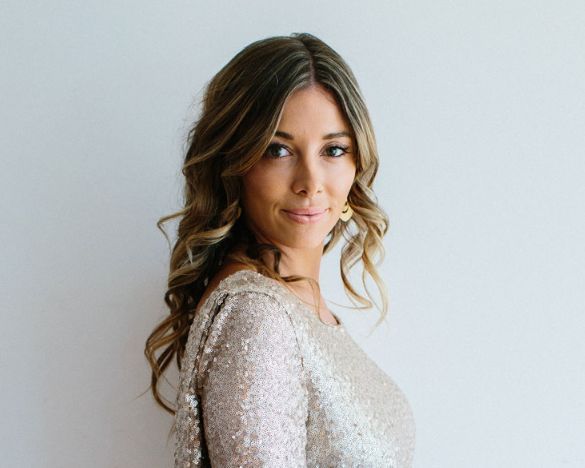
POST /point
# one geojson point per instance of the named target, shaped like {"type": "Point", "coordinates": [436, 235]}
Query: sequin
{"type": "Point", "coordinates": [265, 382]}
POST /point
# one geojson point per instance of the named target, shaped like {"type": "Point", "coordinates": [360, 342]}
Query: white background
{"type": "Point", "coordinates": [479, 110]}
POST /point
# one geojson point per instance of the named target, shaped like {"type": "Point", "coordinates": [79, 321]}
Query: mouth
{"type": "Point", "coordinates": [306, 216]}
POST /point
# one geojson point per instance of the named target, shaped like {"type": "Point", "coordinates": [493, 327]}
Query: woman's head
{"type": "Point", "coordinates": [237, 191]}
{"type": "Point", "coordinates": [294, 194]}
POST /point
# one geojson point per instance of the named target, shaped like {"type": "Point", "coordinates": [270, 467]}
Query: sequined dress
{"type": "Point", "coordinates": [266, 383]}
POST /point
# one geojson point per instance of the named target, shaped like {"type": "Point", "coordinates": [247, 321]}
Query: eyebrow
{"type": "Point", "coordinates": [328, 136]}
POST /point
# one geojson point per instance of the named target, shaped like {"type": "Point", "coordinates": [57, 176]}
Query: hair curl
{"type": "Point", "coordinates": [242, 106]}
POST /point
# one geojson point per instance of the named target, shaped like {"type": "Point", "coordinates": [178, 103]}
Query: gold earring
{"type": "Point", "coordinates": [346, 213]}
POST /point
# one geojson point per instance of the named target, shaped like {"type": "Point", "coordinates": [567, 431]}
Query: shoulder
{"type": "Point", "coordinates": [252, 307]}
{"type": "Point", "coordinates": [218, 277]}
{"type": "Point", "coordinates": [247, 305]}
{"type": "Point", "coordinates": [249, 327]}
{"type": "Point", "coordinates": [238, 280]}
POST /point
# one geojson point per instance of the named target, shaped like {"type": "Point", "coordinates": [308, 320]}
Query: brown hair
{"type": "Point", "coordinates": [242, 106]}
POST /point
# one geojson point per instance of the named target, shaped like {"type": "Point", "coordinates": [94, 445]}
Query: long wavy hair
{"type": "Point", "coordinates": [241, 108]}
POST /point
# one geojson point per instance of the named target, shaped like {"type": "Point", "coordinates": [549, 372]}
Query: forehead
{"type": "Point", "coordinates": [312, 110]}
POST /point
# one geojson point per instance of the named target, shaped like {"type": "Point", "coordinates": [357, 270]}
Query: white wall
{"type": "Point", "coordinates": [479, 109]}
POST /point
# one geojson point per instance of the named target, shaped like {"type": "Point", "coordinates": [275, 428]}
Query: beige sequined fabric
{"type": "Point", "coordinates": [266, 383]}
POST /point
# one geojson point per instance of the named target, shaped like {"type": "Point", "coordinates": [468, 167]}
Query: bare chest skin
{"type": "Point", "coordinates": [324, 313]}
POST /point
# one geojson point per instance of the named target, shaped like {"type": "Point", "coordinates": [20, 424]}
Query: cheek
{"type": "Point", "coordinates": [342, 179]}
{"type": "Point", "coordinates": [259, 187]}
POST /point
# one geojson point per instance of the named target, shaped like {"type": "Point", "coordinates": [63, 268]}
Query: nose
{"type": "Point", "coordinates": [308, 177]}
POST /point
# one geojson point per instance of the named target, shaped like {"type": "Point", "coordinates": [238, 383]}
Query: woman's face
{"type": "Point", "coordinates": [309, 165]}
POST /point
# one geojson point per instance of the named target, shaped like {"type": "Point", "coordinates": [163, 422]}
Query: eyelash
{"type": "Point", "coordinates": [345, 150]}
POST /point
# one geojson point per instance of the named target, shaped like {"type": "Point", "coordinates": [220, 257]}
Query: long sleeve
{"type": "Point", "coordinates": [254, 396]}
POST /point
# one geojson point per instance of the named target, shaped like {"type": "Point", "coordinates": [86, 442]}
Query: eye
{"type": "Point", "coordinates": [274, 150]}
{"type": "Point", "coordinates": [338, 150]}
{"type": "Point", "coordinates": [278, 151]}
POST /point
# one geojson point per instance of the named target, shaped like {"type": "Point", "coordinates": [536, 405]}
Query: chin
{"type": "Point", "coordinates": [305, 242]}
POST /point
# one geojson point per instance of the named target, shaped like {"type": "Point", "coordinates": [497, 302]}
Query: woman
{"type": "Point", "coordinates": [279, 169]}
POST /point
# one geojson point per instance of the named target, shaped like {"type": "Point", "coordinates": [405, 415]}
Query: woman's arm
{"type": "Point", "coordinates": [254, 397]}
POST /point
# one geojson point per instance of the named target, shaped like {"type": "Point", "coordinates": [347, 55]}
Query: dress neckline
{"type": "Point", "coordinates": [245, 271]}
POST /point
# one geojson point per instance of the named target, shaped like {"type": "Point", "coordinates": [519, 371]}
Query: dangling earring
{"type": "Point", "coordinates": [346, 213]}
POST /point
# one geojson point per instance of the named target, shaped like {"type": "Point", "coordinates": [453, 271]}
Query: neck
{"type": "Point", "coordinates": [305, 262]}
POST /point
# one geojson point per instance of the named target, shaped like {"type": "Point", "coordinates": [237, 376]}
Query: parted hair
{"type": "Point", "coordinates": [241, 107]}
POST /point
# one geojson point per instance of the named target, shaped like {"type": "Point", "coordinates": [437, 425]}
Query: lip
{"type": "Point", "coordinates": [306, 216]}
{"type": "Point", "coordinates": [307, 211]}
